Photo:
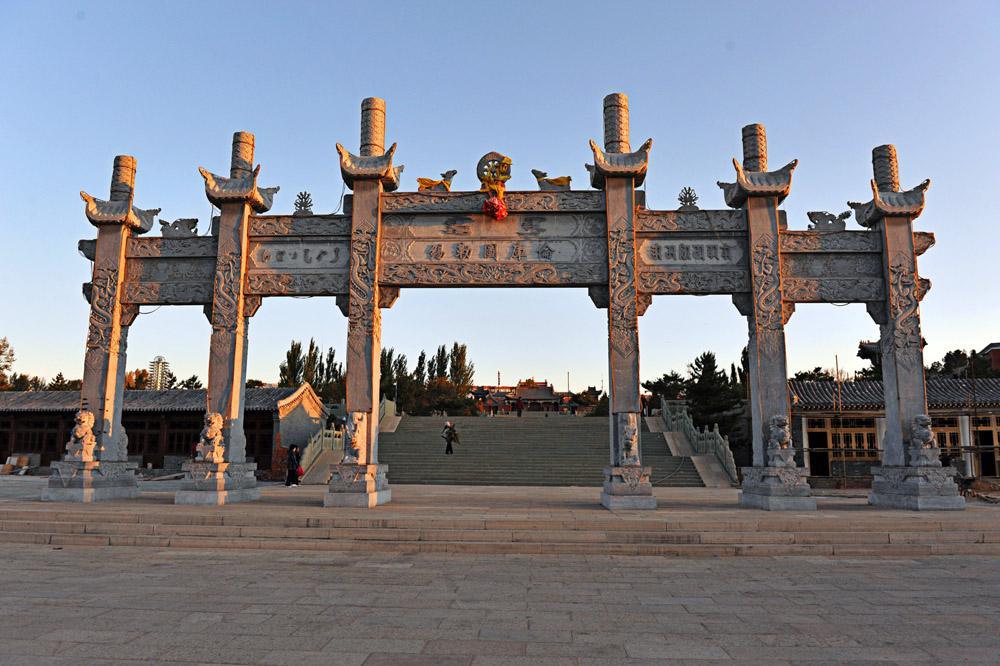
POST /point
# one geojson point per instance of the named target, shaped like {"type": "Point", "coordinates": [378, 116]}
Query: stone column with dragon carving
{"type": "Point", "coordinates": [96, 465]}
{"type": "Point", "coordinates": [359, 480]}
{"type": "Point", "coordinates": [911, 475]}
{"type": "Point", "coordinates": [224, 476]}
{"type": "Point", "coordinates": [617, 170]}
{"type": "Point", "coordinates": [774, 482]}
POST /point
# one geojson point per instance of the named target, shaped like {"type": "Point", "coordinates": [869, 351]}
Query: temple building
{"type": "Point", "coordinates": [840, 426]}
{"type": "Point", "coordinates": [162, 426]}
{"type": "Point", "coordinates": [533, 396]}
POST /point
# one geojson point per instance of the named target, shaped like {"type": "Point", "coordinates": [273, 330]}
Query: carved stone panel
{"type": "Point", "coordinates": [832, 264]}
{"type": "Point", "coordinates": [319, 283]}
{"type": "Point", "coordinates": [837, 241]}
{"type": "Point", "coordinates": [180, 248]}
{"type": "Point", "coordinates": [692, 252]}
{"type": "Point", "coordinates": [656, 280]}
{"type": "Point", "coordinates": [472, 202]}
{"type": "Point", "coordinates": [694, 220]}
{"type": "Point", "coordinates": [167, 293]}
{"type": "Point", "coordinates": [293, 254]}
{"type": "Point", "coordinates": [156, 269]}
{"type": "Point", "coordinates": [303, 225]}
{"type": "Point", "coordinates": [498, 274]}
{"type": "Point", "coordinates": [833, 290]}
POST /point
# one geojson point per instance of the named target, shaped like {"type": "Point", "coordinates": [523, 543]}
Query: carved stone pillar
{"type": "Point", "coordinates": [617, 171]}
{"type": "Point", "coordinates": [237, 197]}
{"type": "Point", "coordinates": [109, 475]}
{"type": "Point", "coordinates": [359, 479]}
{"type": "Point", "coordinates": [911, 476]}
{"type": "Point", "coordinates": [774, 482]}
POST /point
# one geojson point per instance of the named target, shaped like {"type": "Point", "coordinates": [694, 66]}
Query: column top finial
{"type": "Point", "coordinates": [887, 199]}
{"type": "Point", "coordinates": [754, 147]}
{"type": "Point", "coordinates": [118, 210]}
{"type": "Point", "coordinates": [241, 185]}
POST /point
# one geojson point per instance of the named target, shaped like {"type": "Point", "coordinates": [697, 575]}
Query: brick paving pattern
{"type": "Point", "coordinates": [78, 605]}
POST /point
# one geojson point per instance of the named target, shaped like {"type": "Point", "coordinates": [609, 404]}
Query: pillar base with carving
{"type": "Point", "coordinates": [776, 489]}
{"type": "Point", "coordinates": [96, 481]}
{"type": "Point", "coordinates": [916, 488]}
{"type": "Point", "coordinates": [217, 483]}
{"type": "Point", "coordinates": [628, 487]}
{"type": "Point", "coordinates": [358, 485]}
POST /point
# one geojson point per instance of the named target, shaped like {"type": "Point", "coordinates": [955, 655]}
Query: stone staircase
{"type": "Point", "coordinates": [577, 529]}
{"type": "Point", "coordinates": [528, 451]}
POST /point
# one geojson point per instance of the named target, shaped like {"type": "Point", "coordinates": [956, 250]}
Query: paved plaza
{"type": "Point", "coordinates": [266, 607]}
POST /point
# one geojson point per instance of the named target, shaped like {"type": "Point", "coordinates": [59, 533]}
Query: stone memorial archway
{"type": "Point", "coordinates": [603, 239]}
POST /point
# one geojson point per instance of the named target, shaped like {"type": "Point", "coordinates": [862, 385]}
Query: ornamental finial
{"type": "Point", "coordinates": [886, 167]}
{"type": "Point", "coordinates": [754, 148]}
{"type": "Point", "coordinates": [616, 121]}
{"type": "Point", "coordinates": [372, 126]}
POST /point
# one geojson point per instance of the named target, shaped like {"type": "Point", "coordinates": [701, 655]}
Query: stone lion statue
{"type": "Point", "coordinates": [779, 434]}
{"type": "Point", "coordinates": [210, 447]}
{"type": "Point", "coordinates": [630, 445]}
{"type": "Point", "coordinates": [354, 426]}
{"type": "Point", "coordinates": [921, 435]}
{"type": "Point", "coordinates": [81, 444]}
{"type": "Point", "coordinates": [780, 452]}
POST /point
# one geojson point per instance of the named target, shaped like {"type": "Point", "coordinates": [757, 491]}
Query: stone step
{"type": "Point", "coordinates": [582, 543]}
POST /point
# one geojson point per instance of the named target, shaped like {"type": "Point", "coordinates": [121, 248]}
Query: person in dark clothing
{"type": "Point", "coordinates": [294, 461]}
{"type": "Point", "coordinates": [450, 436]}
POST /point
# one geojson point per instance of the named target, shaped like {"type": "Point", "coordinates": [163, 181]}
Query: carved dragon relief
{"type": "Point", "coordinates": [766, 285]}
{"type": "Point", "coordinates": [621, 278]}
{"type": "Point", "coordinates": [903, 304]}
{"type": "Point", "coordinates": [225, 310]}
{"type": "Point", "coordinates": [832, 290]}
{"type": "Point", "coordinates": [693, 282]}
{"type": "Point", "coordinates": [167, 293]}
{"type": "Point", "coordinates": [102, 304]}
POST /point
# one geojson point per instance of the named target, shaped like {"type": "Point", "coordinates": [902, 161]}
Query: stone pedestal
{"type": "Point", "coordinates": [218, 483]}
{"type": "Point", "coordinates": [916, 488]}
{"type": "Point", "coordinates": [776, 489]}
{"type": "Point", "coordinates": [358, 485]}
{"type": "Point", "coordinates": [95, 481]}
{"type": "Point", "coordinates": [628, 487]}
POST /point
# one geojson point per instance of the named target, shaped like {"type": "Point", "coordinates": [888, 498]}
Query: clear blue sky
{"type": "Point", "coordinates": [170, 82]}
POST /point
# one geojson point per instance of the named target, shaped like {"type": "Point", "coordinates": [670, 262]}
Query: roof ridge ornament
{"type": "Point", "coordinates": [241, 185]}
{"type": "Point", "coordinates": [374, 162]}
{"type": "Point", "coordinates": [118, 209]}
{"type": "Point", "coordinates": [887, 200]}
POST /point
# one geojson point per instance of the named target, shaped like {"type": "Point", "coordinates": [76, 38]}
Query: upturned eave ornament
{"type": "Point", "coordinates": [619, 165]}
{"type": "Point", "coordinates": [374, 167]}
{"type": "Point", "coordinates": [758, 184]}
{"type": "Point", "coordinates": [890, 204]}
{"type": "Point", "coordinates": [106, 213]}
{"type": "Point", "coordinates": [242, 189]}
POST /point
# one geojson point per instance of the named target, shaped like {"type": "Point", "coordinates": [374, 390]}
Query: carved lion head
{"type": "Point", "coordinates": [84, 418]}
{"type": "Point", "coordinates": [213, 423]}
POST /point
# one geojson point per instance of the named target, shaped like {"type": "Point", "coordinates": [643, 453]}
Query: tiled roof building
{"type": "Point", "coordinates": [162, 426]}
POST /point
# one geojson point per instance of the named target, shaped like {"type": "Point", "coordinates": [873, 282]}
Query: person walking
{"type": "Point", "coordinates": [450, 436]}
{"type": "Point", "coordinates": [294, 461]}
